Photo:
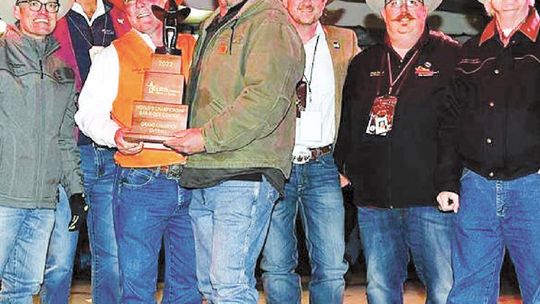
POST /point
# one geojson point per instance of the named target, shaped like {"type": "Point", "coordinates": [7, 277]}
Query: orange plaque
{"type": "Point", "coordinates": [161, 111]}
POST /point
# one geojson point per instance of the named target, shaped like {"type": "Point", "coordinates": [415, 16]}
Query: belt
{"type": "Point", "coordinates": [100, 147]}
{"type": "Point", "coordinates": [313, 154]}
{"type": "Point", "coordinates": [171, 171]}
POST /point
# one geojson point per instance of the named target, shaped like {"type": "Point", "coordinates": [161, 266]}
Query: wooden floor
{"type": "Point", "coordinates": [354, 293]}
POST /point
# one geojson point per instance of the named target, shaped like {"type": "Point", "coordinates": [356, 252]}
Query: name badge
{"type": "Point", "coordinates": [381, 117]}
{"type": "Point", "coordinates": [310, 126]}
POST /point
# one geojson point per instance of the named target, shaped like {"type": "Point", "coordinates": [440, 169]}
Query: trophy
{"type": "Point", "coordinates": [161, 112]}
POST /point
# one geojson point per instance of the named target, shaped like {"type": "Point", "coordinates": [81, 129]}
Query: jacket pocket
{"type": "Point", "coordinates": [216, 106]}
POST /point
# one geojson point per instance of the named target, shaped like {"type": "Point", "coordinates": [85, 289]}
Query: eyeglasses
{"type": "Point", "coordinates": [36, 6]}
{"type": "Point", "coordinates": [301, 97]}
{"type": "Point", "coordinates": [396, 4]}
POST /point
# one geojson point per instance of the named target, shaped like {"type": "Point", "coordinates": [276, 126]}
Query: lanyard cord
{"type": "Point", "coordinates": [312, 65]}
{"type": "Point", "coordinates": [82, 34]}
{"type": "Point", "coordinates": [391, 81]}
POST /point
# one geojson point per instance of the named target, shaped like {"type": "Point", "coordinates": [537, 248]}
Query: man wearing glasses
{"type": "Point", "coordinates": [387, 147]}
{"type": "Point", "coordinates": [37, 148]}
{"type": "Point", "coordinates": [313, 191]}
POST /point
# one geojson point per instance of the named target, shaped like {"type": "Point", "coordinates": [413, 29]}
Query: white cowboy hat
{"type": "Point", "coordinates": [6, 9]}
{"type": "Point", "coordinates": [378, 5]}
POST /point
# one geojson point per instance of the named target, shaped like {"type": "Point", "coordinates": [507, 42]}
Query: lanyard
{"type": "Point", "coordinates": [392, 82]}
{"type": "Point", "coordinates": [312, 65]}
{"type": "Point", "coordinates": [84, 36]}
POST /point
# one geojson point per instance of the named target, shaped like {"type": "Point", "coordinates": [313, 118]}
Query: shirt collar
{"type": "Point", "coordinates": [147, 39]}
{"type": "Point", "coordinates": [422, 41]}
{"type": "Point", "coordinates": [100, 10]}
{"type": "Point", "coordinates": [529, 28]}
{"type": "Point", "coordinates": [319, 32]}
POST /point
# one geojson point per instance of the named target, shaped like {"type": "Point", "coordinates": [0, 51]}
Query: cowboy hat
{"type": "Point", "coordinates": [197, 15]}
{"type": "Point", "coordinates": [378, 5]}
{"type": "Point", "coordinates": [6, 9]}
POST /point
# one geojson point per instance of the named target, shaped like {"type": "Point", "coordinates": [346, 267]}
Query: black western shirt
{"type": "Point", "coordinates": [491, 116]}
{"type": "Point", "coordinates": [396, 170]}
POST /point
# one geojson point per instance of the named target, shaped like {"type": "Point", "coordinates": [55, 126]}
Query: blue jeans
{"type": "Point", "coordinates": [99, 169]}
{"type": "Point", "coordinates": [387, 236]}
{"type": "Point", "coordinates": [150, 207]}
{"type": "Point", "coordinates": [495, 214]}
{"type": "Point", "coordinates": [230, 222]}
{"type": "Point", "coordinates": [61, 253]}
{"type": "Point", "coordinates": [313, 190]}
{"type": "Point", "coordinates": [25, 236]}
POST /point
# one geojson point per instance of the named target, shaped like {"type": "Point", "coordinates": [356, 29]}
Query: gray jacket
{"type": "Point", "coordinates": [37, 147]}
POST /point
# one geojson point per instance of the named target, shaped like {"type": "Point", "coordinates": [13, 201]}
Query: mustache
{"type": "Point", "coordinates": [405, 15]}
{"type": "Point", "coordinates": [305, 7]}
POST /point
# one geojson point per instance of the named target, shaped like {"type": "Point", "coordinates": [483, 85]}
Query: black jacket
{"type": "Point", "coordinates": [491, 117]}
{"type": "Point", "coordinates": [396, 170]}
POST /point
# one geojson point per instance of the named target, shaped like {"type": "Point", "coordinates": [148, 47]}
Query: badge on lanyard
{"type": "Point", "coordinates": [381, 117]}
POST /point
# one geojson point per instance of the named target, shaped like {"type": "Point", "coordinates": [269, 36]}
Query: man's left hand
{"type": "Point", "coordinates": [79, 209]}
{"type": "Point", "coordinates": [189, 141]}
{"type": "Point", "coordinates": [343, 181]}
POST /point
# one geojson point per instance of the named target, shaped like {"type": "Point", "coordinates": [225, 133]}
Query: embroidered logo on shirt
{"type": "Point", "coordinates": [375, 73]}
{"type": "Point", "coordinates": [222, 48]}
{"type": "Point", "coordinates": [425, 70]}
{"type": "Point", "coordinates": [336, 45]}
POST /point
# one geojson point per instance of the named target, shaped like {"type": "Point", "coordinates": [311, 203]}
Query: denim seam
{"type": "Point", "coordinates": [245, 247]}
{"type": "Point", "coordinates": [491, 284]}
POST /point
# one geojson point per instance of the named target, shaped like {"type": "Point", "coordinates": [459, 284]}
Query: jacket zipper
{"type": "Point", "coordinates": [205, 54]}
{"type": "Point", "coordinates": [41, 67]}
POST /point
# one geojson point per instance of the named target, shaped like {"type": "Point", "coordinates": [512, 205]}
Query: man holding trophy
{"type": "Point", "coordinates": [135, 87]}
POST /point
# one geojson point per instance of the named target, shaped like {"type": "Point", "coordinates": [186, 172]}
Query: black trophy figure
{"type": "Point", "coordinates": [171, 18]}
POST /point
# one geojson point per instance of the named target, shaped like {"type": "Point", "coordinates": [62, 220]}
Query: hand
{"type": "Point", "coordinates": [443, 36]}
{"type": "Point", "coordinates": [126, 147]}
{"type": "Point", "coordinates": [79, 209]}
{"type": "Point", "coordinates": [448, 201]}
{"type": "Point", "coordinates": [189, 141]}
{"type": "Point", "coordinates": [343, 181]}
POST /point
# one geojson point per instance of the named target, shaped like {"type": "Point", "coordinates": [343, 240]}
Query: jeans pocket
{"type": "Point", "coordinates": [466, 172]}
{"type": "Point", "coordinates": [136, 177]}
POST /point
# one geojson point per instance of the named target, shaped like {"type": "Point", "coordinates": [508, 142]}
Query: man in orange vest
{"type": "Point", "coordinates": [149, 204]}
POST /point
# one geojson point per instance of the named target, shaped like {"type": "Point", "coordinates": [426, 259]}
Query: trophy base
{"type": "Point", "coordinates": [149, 138]}
{"type": "Point", "coordinates": [169, 51]}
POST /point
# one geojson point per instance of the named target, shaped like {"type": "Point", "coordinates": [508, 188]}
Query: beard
{"type": "Point", "coordinates": [306, 15]}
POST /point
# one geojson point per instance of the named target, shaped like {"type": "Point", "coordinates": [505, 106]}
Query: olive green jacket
{"type": "Point", "coordinates": [242, 92]}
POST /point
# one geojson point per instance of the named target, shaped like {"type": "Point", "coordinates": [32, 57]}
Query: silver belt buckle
{"type": "Point", "coordinates": [301, 157]}
{"type": "Point", "coordinates": [174, 171]}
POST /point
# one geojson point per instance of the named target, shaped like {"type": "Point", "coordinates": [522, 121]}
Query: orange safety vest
{"type": "Point", "coordinates": [134, 59]}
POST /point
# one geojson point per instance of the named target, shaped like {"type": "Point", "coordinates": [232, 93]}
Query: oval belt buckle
{"type": "Point", "coordinates": [302, 158]}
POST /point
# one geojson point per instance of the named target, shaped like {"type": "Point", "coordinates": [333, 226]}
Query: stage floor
{"type": "Point", "coordinates": [355, 293]}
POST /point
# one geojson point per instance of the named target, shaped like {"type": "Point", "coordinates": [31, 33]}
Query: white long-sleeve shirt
{"type": "Point", "coordinates": [98, 94]}
{"type": "Point", "coordinates": [319, 70]}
